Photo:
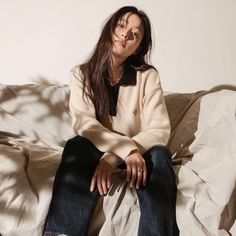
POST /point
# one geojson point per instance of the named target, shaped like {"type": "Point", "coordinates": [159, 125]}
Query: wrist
{"type": "Point", "coordinates": [133, 152]}
{"type": "Point", "coordinates": [111, 159]}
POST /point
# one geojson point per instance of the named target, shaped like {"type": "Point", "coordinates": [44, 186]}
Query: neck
{"type": "Point", "coordinates": [116, 69]}
{"type": "Point", "coordinates": [117, 62]}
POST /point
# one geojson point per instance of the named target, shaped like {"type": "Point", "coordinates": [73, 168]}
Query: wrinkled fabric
{"type": "Point", "coordinates": [35, 124]}
{"type": "Point", "coordinates": [27, 171]}
{"type": "Point", "coordinates": [207, 182]}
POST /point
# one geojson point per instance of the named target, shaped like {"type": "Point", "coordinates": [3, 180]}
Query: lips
{"type": "Point", "coordinates": [120, 42]}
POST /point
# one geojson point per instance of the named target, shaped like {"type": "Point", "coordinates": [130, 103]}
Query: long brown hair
{"type": "Point", "coordinates": [96, 68]}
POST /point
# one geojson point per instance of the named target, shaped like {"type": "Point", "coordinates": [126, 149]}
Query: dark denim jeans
{"type": "Point", "coordinates": [72, 203]}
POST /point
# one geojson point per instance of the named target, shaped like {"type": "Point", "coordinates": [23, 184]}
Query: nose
{"type": "Point", "coordinates": [125, 35]}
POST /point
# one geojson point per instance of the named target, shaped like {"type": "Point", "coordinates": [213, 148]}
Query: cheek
{"type": "Point", "coordinates": [134, 46]}
{"type": "Point", "coordinates": [117, 33]}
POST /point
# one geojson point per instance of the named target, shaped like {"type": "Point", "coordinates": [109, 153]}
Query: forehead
{"type": "Point", "coordinates": [132, 19]}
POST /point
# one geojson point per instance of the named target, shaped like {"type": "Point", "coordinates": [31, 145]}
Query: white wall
{"type": "Point", "coordinates": [195, 40]}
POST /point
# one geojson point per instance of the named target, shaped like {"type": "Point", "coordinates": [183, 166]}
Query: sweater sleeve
{"type": "Point", "coordinates": [86, 125]}
{"type": "Point", "coordinates": [155, 120]}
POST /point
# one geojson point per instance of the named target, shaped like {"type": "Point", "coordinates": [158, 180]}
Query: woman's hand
{"type": "Point", "coordinates": [136, 170]}
{"type": "Point", "coordinates": [102, 178]}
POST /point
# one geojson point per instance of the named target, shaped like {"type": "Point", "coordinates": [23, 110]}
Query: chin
{"type": "Point", "coordinates": [120, 53]}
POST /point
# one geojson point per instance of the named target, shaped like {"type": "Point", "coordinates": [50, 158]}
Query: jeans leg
{"type": "Point", "coordinates": [158, 198]}
{"type": "Point", "coordinates": [72, 203]}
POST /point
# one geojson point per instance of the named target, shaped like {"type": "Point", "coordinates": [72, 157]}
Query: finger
{"type": "Point", "coordinates": [109, 180]}
{"type": "Point", "coordinates": [128, 173]}
{"type": "Point", "coordinates": [93, 183]}
{"type": "Point", "coordinates": [139, 177]}
{"type": "Point", "coordinates": [144, 174]}
{"type": "Point", "coordinates": [104, 182]}
{"type": "Point", "coordinates": [99, 183]}
{"type": "Point", "coordinates": [133, 176]}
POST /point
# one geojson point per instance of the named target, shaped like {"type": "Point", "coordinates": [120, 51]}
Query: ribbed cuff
{"type": "Point", "coordinates": [112, 159]}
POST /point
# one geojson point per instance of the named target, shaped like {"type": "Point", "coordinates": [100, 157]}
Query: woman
{"type": "Point", "coordinates": [121, 120]}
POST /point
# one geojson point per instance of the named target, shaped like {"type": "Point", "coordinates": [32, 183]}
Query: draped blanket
{"type": "Point", "coordinates": [35, 124]}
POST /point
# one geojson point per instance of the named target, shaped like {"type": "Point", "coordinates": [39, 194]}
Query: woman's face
{"type": "Point", "coordinates": [127, 36]}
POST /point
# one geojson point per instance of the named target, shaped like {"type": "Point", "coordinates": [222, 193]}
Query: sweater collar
{"type": "Point", "coordinates": [129, 76]}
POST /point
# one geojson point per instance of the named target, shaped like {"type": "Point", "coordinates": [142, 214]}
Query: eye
{"type": "Point", "coordinates": [135, 34]}
{"type": "Point", "coordinates": [121, 25]}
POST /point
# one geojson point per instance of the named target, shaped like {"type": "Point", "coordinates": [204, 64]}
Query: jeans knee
{"type": "Point", "coordinates": [71, 149]}
{"type": "Point", "coordinates": [79, 150]}
{"type": "Point", "coordinates": [160, 156]}
{"type": "Point", "coordinates": [75, 142]}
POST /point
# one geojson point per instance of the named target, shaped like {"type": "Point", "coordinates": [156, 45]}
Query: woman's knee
{"type": "Point", "coordinates": [160, 156]}
{"type": "Point", "coordinates": [72, 146]}
{"type": "Point", "coordinates": [77, 141]}
{"type": "Point", "coordinates": [79, 149]}
{"type": "Point", "coordinates": [158, 161]}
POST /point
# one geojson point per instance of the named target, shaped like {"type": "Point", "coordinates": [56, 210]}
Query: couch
{"type": "Point", "coordinates": [35, 123]}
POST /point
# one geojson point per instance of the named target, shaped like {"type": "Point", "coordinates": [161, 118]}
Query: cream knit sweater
{"type": "Point", "coordinates": [141, 121]}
